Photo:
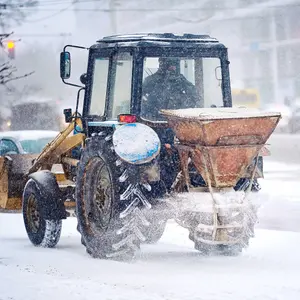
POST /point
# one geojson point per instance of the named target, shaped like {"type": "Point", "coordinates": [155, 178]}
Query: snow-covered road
{"type": "Point", "coordinates": [280, 196]}
{"type": "Point", "coordinates": [172, 269]}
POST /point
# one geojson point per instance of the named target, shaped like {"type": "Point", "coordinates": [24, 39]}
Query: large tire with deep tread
{"type": "Point", "coordinates": [41, 232]}
{"type": "Point", "coordinates": [101, 182]}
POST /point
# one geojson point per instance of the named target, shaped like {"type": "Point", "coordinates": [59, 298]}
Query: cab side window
{"type": "Point", "coordinates": [99, 86]}
{"type": "Point", "coordinates": [121, 90]}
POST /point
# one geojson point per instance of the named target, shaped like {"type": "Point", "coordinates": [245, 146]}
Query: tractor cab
{"type": "Point", "coordinates": [130, 78]}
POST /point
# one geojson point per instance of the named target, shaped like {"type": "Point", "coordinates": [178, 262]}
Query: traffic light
{"type": "Point", "coordinates": [11, 49]}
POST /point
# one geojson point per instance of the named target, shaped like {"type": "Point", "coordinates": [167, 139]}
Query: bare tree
{"type": "Point", "coordinates": [7, 69]}
{"type": "Point", "coordinates": [12, 12]}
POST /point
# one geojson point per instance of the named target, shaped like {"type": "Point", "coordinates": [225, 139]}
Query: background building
{"type": "Point", "coordinates": [263, 36]}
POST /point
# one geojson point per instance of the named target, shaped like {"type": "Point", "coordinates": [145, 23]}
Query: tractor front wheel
{"type": "Point", "coordinates": [41, 232]}
{"type": "Point", "coordinates": [110, 201]}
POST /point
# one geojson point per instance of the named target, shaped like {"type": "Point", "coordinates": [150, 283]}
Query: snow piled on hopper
{"type": "Point", "coordinates": [219, 113]}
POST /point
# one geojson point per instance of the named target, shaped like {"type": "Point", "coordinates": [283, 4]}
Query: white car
{"type": "Point", "coordinates": [25, 141]}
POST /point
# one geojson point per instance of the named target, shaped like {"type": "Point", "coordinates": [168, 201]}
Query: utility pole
{"type": "Point", "coordinates": [274, 57]}
{"type": "Point", "coordinates": [2, 7]}
{"type": "Point", "coordinates": [75, 11]}
{"type": "Point", "coordinates": [113, 15]}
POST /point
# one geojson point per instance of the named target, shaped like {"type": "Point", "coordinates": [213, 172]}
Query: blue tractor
{"type": "Point", "coordinates": [127, 167]}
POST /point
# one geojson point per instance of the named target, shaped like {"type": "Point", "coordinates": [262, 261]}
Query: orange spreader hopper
{"type": "Point", "coordinates": [221, 142]}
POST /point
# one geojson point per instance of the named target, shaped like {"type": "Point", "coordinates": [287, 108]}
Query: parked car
{"type": "Point", "coordinates": [25, 141]}
{"type": "Point", "coordinates": [18, 149]}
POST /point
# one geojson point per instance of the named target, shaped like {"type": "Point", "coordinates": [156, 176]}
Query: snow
{"type": "Point", "coordinates": [29, 134]}
{"type": "Point", "coordinates": [171, 269]}
{"type": "Point", "coordinates": [216, 113]}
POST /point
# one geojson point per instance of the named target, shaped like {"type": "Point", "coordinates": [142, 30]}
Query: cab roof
{"type": "Point", "coordinates": [158, 39]}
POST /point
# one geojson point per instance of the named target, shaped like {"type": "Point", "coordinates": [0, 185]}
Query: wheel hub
{"type": "Point", "coordinates": [33, 214]}
{"type": "Point", "coordinates": [100, 212]}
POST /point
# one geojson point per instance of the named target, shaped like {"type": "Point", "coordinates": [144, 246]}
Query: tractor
{"type": "Point", "coordinates": [137, 161]}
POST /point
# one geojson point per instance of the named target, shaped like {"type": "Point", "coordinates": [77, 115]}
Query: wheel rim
{"type": "Point", "coordinates": [33, 214]}
{"type": "Point", "coordinates": [99, 210]}
{"type": "Point", "coordinates": [103, 196]}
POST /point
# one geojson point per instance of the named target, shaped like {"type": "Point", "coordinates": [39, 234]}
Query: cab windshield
{"type": "Point", "coordinates": [180, 82]}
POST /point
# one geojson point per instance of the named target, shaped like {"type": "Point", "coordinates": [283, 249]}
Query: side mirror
{"type": "Point", "coordinates": [65, 65]}
{"type": "Point", "coordinates": [68, 115]}
{"type": "Point", "coordinates": [83, 78]}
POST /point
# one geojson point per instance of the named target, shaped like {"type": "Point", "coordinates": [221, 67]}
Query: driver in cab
{"type": "Point", "coordinates": [167, 88]}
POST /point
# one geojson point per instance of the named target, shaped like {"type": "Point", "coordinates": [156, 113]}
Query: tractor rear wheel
{"type": "Point", "coordinates": [41, 232]}
{"type": "Point", "coordinates": [109, 202]}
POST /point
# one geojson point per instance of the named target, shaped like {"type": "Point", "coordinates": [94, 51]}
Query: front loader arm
{"type": "Point", "coordinates": [57, 148]}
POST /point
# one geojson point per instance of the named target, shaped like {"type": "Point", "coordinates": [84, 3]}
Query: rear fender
{"type": "Point", "coordinates": [52, 202]}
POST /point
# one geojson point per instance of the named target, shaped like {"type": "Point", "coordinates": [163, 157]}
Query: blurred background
{"type": "Point", "coordinates": [263, 38]}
